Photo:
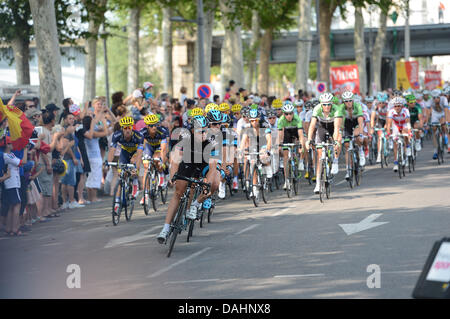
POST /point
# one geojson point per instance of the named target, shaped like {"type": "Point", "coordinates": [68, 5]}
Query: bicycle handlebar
{"type": "Point", "coordinates": [191, 180]}
{"type": "Point", "coordinates": [120, 165]}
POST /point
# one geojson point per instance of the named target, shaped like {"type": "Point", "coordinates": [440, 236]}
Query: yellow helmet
{"type": "Point", "coordinates": [236, 108]}
{"type": "Point", "coordinates": [224, 107]}
{"type": "Point", "coordinates": [211, 106]}
{"type": "Point", "coordinates": [276, 104]}
{"type": "Point", "coordinates": [126, 121]}
{"type": "Point", "coordinates": [151, 119]}
{"type": "Point", "coordinates": [195, 112]}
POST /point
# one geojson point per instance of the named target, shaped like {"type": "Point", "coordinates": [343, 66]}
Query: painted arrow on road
{"type": "Point", "coordinates": [365, 224]}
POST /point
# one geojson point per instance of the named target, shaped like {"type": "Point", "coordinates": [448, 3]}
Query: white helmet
{"type": "Point", "coordinates": [347, 95]}
{"type": "Point", "coordinates": [287, 108]}
{"type": "Point", "coordinates": [398, 100]}
{"type": "Point", "coordinates": [436, 93]}
{"type": "Point", "coordinates": [326, 98]}
{"type": "Point", "coordinates": [298, 103]}
{"type": "Point", "coordinates": [447, 90]}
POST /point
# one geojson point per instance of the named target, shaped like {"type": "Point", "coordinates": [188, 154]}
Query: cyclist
{"type": "Point", "coordinates": [306, 116]}
{"type": "Point", "coordinates": [438, 116]}
{"type": "Point", "coordinates": [273, 125]}
{"type": "Point", "coordinates": [230, 165]}
{"type": "Point", "coordinates": [446, 94]}
{"type": "Point", "coordinates": [188, 160]}
{"type": "Point", "coordinates": [276, 105]}
{"type": "Point", "coordinates": [298, 106]}
{"type": "Point", "coordinates": [290, 130]}
{"type": "Point", "coordinates": [236, 114]}
{"type": "Point", "coordinates": [132, 146]}
{"type": "Point", "coordinates": [378, 119]}
{"type": "Point", "coordinates": [399, 120]}
{"type": "Point", "coordinates": [328, 118]}
{"type": "Point", "coordinates": [255, 140]}
{"type": "Point", "coordinates": [156, 138]}
{"type": "Point", "coordinates": [416, 117]}
{"type": "Point", "coordinates": [353, 126]}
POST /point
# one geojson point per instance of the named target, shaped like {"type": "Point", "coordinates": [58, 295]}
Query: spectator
{"type": "Point", "coordinates": [190, 106]}
{"type": "Point", "coordinates": [183, 97]}
{"type": "Point", "coordinates": [11, 195]}
{"type": "Point", "coordinates": [66, 105]}
{"type": "Point", "coordinates": [46, 177]}
{"type": "Point", "coordinates": [69, 180]}
{"type": "Point", "coordinates": [93, 132]}
{"type": "Point", "coordinates": [147, 91]}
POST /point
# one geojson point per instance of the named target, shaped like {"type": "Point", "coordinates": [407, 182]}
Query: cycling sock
{"type": "Point", "coordinates": [166, 227]}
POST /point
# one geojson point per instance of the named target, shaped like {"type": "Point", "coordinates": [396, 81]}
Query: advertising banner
{"type": "Point", "coordinates": [345, 77]}
{"type": "Point", "coordinates": [432, 79]}
{"type": "Point", "coordinates": [408, 75]}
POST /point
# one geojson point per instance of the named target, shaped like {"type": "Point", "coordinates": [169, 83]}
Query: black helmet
{"type": "Point", "coordinates": [214, 116]}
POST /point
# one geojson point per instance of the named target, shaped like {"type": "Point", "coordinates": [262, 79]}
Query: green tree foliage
{"type": "Point", "coordinates": [16, 19]}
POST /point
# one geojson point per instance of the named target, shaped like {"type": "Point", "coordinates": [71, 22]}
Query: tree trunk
{"type": "Point", "coordinates": [254, 45]}
{"type": "Point", "coordinates": [167, 46]}
{"type": "Point", "coordinates": [360, 50]}
{"type": "Point", "coordinates": [21, 49]}
{"type": "Point", "coordinates": [97, 10]}
{"type": "Point", "coordinates": [232, 65]}
{"type": "Point", "coordinates": [303, 45]}
{"type": "Point", "coordinates": [378, 51]}
{"type": "Point", "coordinates": [207, 47]}
{"type": "Point", "coordinates": [264, 56]}
{"type": "Point", "coordinates": [133, 49]}
{"type": "Point", "coordinates": [326, 11]}
{"type": "Point", "coordinates": [47, 47]}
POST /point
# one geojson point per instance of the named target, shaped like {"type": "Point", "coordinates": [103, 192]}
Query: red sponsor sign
{"type": "Point", "coordinates": [345, 78]}
{"type": "Point", "coordinates": [432, 79]}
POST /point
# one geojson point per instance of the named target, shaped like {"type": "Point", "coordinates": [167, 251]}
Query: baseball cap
{"type": "Point", "coordinates": [51, 107]}
{"type": "Point", "coordinates": [137, 94]}
{"type": "Point", "coordinates": [74, 109]}
{"type": "Point", "coordinates": [147, 85]}
{"type": "Point", "coordinates": [32, 112]}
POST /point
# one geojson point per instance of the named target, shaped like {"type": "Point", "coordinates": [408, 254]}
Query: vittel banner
{"type": "Point", "coordinates": [345, 78]}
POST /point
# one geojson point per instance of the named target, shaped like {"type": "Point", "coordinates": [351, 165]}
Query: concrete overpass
{"type": "Point", "coordinates": [426, 40]}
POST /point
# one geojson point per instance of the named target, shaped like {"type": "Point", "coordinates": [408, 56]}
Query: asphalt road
{"type": "Point", "coordinates": [289, 248]}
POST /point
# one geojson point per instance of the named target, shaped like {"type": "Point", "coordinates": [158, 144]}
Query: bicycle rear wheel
{"type": "Point", "coordinates": [130, 201]}
{"type": "Point", "coordinates": [148, 192]}
{"type": "Point", "coordinates": [211, 209]}
{"type": "Point", "coordinates": [295, 179]}
{"type": "Point", "coordinates": [190, 229]}
{"type": "Point", "coordinates": [247, 186]}
{"type": "Point", "coordinates": [255, 198]}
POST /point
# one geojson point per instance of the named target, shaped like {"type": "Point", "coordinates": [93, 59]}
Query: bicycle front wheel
{"type": "Point", "coordinates": [130, 202]}
{"type": "Point", "coordinates": [177, 225]}
{"type": "Point", "coordinates": [147, 192]}
{"type": "Point", "coordinates": [116, 214]}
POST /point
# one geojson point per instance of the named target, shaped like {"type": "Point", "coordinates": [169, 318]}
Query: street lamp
{"type": "Point", "coordinates": [200, 32]}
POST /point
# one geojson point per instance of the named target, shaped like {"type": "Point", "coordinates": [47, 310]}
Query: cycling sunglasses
{"type": "Point", "coordinates": [290, 113]}
{"type": "Point", "coordinates": [348, 101]}
{"type": "Point", "coordinates": [129, 127]}
{"type": "Point", "coordinates": [152, 125]}
{"type": "Point", "coordinates": [327, 104]}
{"type": "Point", "coordinates": [199, 131]}
{"type": "Point", "coordinates": [216, 124]}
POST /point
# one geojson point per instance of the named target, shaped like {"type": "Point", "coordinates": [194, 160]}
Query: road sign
{"type": "Point", "coordinates": [321, 87]}
{"type": "Point", "coordinates": [204, 90]}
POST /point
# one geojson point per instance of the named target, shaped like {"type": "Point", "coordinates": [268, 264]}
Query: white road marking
{"type": "Point", "coordinates": [341, 182]}
{"type": "Point", "coordinates": [402, 272]}
{"type": "Point", "coordinates": [366, 223]}
{"type": "Point", "coordinates": [156, 274]}
{"type": "Point", "coordinates": [191, 281]}
{"type": "Point", "coordinates": [247, 229]}
{"type": "Point", "coordinates": [282, 211]}
{"type": "Point", "coordinates": [298, 276]}
{"type": "Point", "coordinates": [132, 238]}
